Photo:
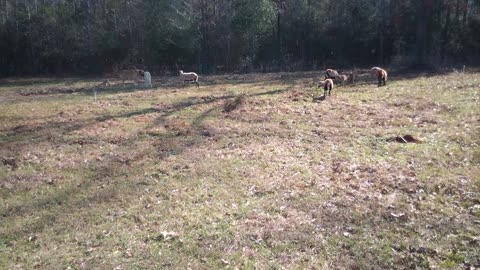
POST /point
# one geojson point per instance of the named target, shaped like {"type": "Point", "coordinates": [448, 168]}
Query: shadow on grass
{"type": "Point", "coordinates": [161, 83]}
{"type": "Point", "coordinates": [59, 90]}
{"type": "Point", "coordinates": [86, 194]}
{"type": "Point", "coordinates": [69, 199]}
{"type": "Point", "coordinates": [28, 133]}
{"type": "Point", "coordinates": [27, 82]}
{"type": "Point", "coordinates": [39, 214]}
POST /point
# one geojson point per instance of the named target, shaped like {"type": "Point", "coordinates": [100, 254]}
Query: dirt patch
{"type": "Point", "coordinates": [231, 105]}
{"type": "Point", "coordinates": [179, 127]}
{"type": "Point", "coordinates": [404, 139]}
{"type": "Point", "coordinates": [297, 95]}
{"type": "Point", "coordinates": [319, 98]}
{"type": "Point", "coordinates": [10, 162]}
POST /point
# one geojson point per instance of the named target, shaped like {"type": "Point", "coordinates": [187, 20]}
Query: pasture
{"type": "Point", "coordinates": [246, 172]}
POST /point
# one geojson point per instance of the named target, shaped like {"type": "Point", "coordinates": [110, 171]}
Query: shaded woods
{"type": "Point", "coordinates": [94, 37]}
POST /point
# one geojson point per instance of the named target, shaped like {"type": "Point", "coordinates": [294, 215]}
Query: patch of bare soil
{"type": "Point", "coordinates": [405, 139]}
{"type": "Point", "coordinates": [10, 162]}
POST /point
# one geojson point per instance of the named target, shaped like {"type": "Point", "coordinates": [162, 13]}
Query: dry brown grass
{"type": "Point", "coordinates": [171, 178]}
{"type": "Point", "coordinates": [231, 105]}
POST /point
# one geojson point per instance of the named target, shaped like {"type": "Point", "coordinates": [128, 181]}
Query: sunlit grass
{"type": "Point", "coordinates": [165, 178]}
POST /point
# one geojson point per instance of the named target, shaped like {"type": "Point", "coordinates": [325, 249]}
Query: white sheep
{"type": "Point", "coordinates": [147, 79]}
{"type": "Point", "coordinates": [189, 77]}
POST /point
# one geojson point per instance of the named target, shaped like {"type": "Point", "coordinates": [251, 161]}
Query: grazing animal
{"type": "Point", "coordinates": [381, 75]}
{"type": "Point", "coordinates": [189, 77]}
{"type": "Point", "coordinates": [327, 86]}
{"type": "Point", "coordinates": [351, 77]}
{"type": "Point", "coordinates": [147, 78]}
{"type": "Point", "coordinates": [344, 79]}
{"type": "Point", "coordinates": [331, 74]}
{"type": "Point", "coordinates": [129, 75]}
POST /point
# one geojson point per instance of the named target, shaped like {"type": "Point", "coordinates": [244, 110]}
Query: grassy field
{"type": "Point", "coordinates": [247, 172]}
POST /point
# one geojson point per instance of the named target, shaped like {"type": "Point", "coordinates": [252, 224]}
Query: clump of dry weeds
{"type": "Point", "coordinates": [231, 105]}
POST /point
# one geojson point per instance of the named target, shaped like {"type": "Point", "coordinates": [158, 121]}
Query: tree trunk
{"type": "Point", "coordinates": [465, 14]}
{"type": "Point", "coordinates": [381, 33]}
{"type": "Point", "coordinates": [89, 27]}
{"type": "Point", "coordinates": [457, 11]}
{"type": "Point", "coordinates": [204, 50]}
{"type": "Point", "coordinates": [279, 37]}
{"type": "Point", "coordinates": [445, 35]}
{"type": "Point", "coordinates": [424, 10]}
{"type": "Point", "coordinates": [16, 18]}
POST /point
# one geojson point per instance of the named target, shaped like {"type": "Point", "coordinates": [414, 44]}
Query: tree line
{"type": "Point", "coordinates": [97, 36]}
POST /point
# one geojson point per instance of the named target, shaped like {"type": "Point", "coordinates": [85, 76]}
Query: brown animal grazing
{"type": "Point", "coordinates": [381, 75]}
{"type": "Point", "coordinates": [129, 75]}
{"type": "Point", "coordinates": [351, 77]}
{"type": "Point", "coordinates": [331, 74]}
{"type": "Point", "coordinates": [327, 86]}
